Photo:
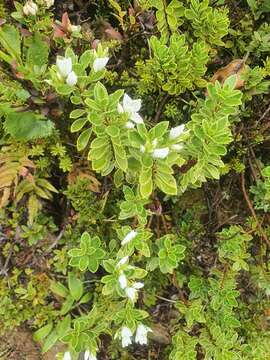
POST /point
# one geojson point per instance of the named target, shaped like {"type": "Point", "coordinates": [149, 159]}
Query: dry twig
{"type": "Point", "coordinates": [253, 213]}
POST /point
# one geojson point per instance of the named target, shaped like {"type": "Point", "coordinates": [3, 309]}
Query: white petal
{"type": "Point", "coordinates": [126, 341]}
{"type": "Point", "coordinates": [120, 108]}
{"type": "Point", "coordinates": [141, 334]}
{"type": "Point", "coordinates": [92, 357]}
{"type": "Point", "coordinates": [130, 105]}
{"type": "Point", "coordinates": [138, 285]}
{"type": "Point", "coordinates": [142, 149]}
{"type": "Point", "coordinates": [64, 66]}
{"type": "Point", "coordinates": [130, 125]}
{"type": "Point", "coordinates": [130, 236]}
{"type": "Point", "coordinates": [177, 131]}
{"type": "Point", "coordinates": [122, 281]}
{"type": "Point", "coordinates": [89, 356]}
{"type": "Point", "coordinates": [122, 261]}
{"type": "Point", "coordinates": [67, 356]}
{"type": "Point", "coordinates": [126, 332]}
{"type": "Point", "coordinates": [131, 293]}
{"type": "Point", "coordinates": [86, 355]}
{"type": "Point", "coordinates": [160, 153]}
{"type": "Point", "coordinates": [72, 79]}
{"type": "Point", "coordinates": [126, 336]}
{"type": "Point", "coordinates": [177, 147]}
{"type": "Point", "coordinates": [100, 63]}
{"type": "Point", "coordinates": [134, 116]}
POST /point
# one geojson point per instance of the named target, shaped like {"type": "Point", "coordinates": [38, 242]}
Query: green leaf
{"type": "Point", "coordinates": [78, 124]}
{"type": "Point", "coordinates": [100, 92]}
{"type": "Point", "coordinates": [86, 58]}
{"type": "Point", "coordinates": [63, 326]}
{"type": "Point", "coordinates": [59, 289]}
{"type": "Point", "coordinates": [25, 126]}
{"type": "Point", "coordinates": [75, 252]}
{"type": "Point", "coordinates": [230, 82]}
{"type": "Point", "coordinates": [75, 114]}
{"type": "Point", "coordinates": [93, 265]}
{"type": "Point", "coordinates": [75, 286]}
{"type": "Point", "coordinates": [113, 131]}
{"type": "Point", "coordinates": [49, 342]}
{"type": "Point", "coordinates": [10, 40]}
{"type": "Point", "coordinates": [41, 333]}
{"type": "Point", "coordinates": [159, 130]}
{"type": "Point", "coordinates": [166, 183]}
{"type": "Point", "coordinates": [38, 51]}
{"type": "Point", "coordinates": [146, 188]}
{"type": "Point", "coordinates": [67, 305]}
{"type": "Point", "coordinates": [83, 139]}
{"type": "Point", "coordinates": [83, 263]}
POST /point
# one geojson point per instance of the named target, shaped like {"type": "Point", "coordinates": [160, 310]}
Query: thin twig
{"type": "Point", "coordinates": [5, 267]}
{"type": "Point", "coordinates": [57, 239]}
{"type": "Point", "coordinates": [264, 114]}
{"type": "Point", "coordinates": [165, 299]}
{"type": "Point", "coordinates": [160, 107]}
{"type": "Point", "coordinates": [164, 223]}
{"type": "Point", "coordinates": [249, 204]}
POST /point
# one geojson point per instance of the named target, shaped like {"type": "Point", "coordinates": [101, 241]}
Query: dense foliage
{"type": "Point", "coordinates": [135, 177]}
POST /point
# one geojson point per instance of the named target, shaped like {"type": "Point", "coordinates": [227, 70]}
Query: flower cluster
{"type": "Point", "coordinates": [163, 152]}
{"type": "Point", "coordinates": [64, 69]}
{"type": "Point", "coordinates": [87, 356]}
{"type": "Point", "coordinates": [131, 290]}
{"type": "Point", "coordinates": [140, 336]}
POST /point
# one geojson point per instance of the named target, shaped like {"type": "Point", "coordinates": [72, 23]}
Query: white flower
{"type": "Point", "coordinates": [122, 261]}
{"type": "Point", "coordinates": [138, 285]}
{"type": "Point", "coordinates": [141, 334]}
{"type": "Point", "coordinates": [64, 66]}
{"type": "Point", "coordinates": [67, 356]}
{"type": "Point", "coordinates": [122, 281]}
{"type": "Point", "coordinates": [131, 293]}
{"type": "Point", "coordinates": [177, 147]}
{"type": "Point", "coordinates": [100, 63]}
{"type": "Point", "coordinates": [142, 149]}
{"type": "Point", "coordinates": [177, 131]}
{"type": "Point", "coordinates": [30, 8]}
{"type": "Point", "coordinates": [130, 236]}
{"type": "Point", "coordinates": [72, 79]}
{"type": "Point", "coordinates": [49, 3]}
{"type": "Point", "coordinates": [130, 125]}
{"type": "Point", "coordinates": [126, 336]}
{"type": "Point", "coordinates": [160, 153]}
{"type": "Point", "coordinates": [89, 356]}
{"type": "Point", "coordinates": [131, 107]}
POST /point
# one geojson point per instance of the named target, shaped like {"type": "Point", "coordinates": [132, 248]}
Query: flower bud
{"type": "Point", "coordinates": [72, 79]}
{"type": "Point", "coordinates": [30, 8]}
{"type": "Point", "coordinates": [64, 66]}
